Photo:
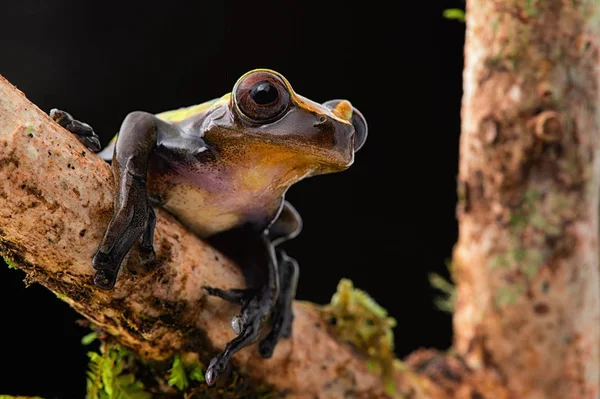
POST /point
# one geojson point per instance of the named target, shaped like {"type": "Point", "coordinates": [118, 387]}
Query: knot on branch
{"type": "Point", "coordinates": [548, 126]}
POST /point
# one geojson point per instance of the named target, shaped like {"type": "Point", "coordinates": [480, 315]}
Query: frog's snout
{"type": "Point", "coordinates": [345, 110]}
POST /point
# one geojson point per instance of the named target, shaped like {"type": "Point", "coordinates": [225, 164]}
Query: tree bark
{"type": "Point", "coordinates": [526, 261]}
{"type": "Point", "coordinates": [56, 200]}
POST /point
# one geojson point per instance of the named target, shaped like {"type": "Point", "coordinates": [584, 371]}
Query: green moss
{"type": "Point", "coordinates": [455, 13]}
{"type": "Point", "coordinates": [527, 261]}
{"type": "Point", "coordinates": [357, 319]}
{"type": "Point", "coordinates": [536, 219]}
{"type": "Point", "coordinates": [196, 372]}
{"type": "Point", "coordinates": [89, 338]}
{"type": "Point", "coordinates": [507, 295]}
{"type": "Point", "coordinates": [530, 270]}
{"type": "Point", "coordinates": [517, 254]}
{"type": "Point", "coordinates": [115, 372]}
{"type": "Point", "coordinates": [10, 263]}
{"type": "Point", "coordinates": [8, 259]}
{"type": "Point", "coordinates": [530, 8]}
{"type": "Point", "coordinates": [108, 377]}
{"type": "Point", "coordinates": [181, 374]}
{"type": "Point", "coordinates": [447, 301]}
{"type": "Point", "coordinates": [499, 262]}
{"type": "Point", "coordinates": [177, 375]}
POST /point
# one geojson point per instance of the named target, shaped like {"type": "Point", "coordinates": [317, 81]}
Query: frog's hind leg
{"type": "Point", "coordinates": [255, 253]}
{"type": "Point", "coordinates": [287, 226]}
{"type": "Point", "coordinates": [270, 294]}
{"type": "Point", "coordinates": [82, 131]}
{"type": "Point", "coordinates": [283, 316]}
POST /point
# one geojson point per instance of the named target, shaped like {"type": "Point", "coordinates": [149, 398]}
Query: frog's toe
{"type": "Point", "coordinates": [211, 372]}
{"type": "Point", "coordinates": [237, 323]}
{"type": "Point", "coordinates": [92, 143]}
{"type": "Point", "coordinates": [235, 295]}
{"type": "Point", "coordinates": [82, 131]}
{"type": "Point", "coordinates": [249, 333]}
{"type": "Point", "coordinates": [147, 255]}
{"type": "Point", "coordinates": [105, 279]}
{"type": "Point", "coordinates": [61, 117]}
{"type": "Point", "coordinates": [248, 325]}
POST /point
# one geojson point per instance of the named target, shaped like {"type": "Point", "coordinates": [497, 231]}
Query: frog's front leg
{"type": "Point", "coordinates": [272, 298]}
{"type": "Point", "coordinates": [133, 214]}
{"type": "Point", "coordinates": [82, 131]}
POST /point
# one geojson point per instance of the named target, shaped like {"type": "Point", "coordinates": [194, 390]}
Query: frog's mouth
{"type": "Point", "coordinates": [345, 110]}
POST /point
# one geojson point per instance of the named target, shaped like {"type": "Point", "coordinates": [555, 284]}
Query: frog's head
{"type": "Point", "coordinates": [272, 118]}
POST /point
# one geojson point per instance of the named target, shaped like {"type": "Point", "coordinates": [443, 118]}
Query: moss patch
{"type": "Point", "coordinates": [446, 302]}
{"type": "Point", "coordinates": [358, 320]}
{"type": "Point", "coordinates": [116, 372]}
{"type": "Point", "coordinates": [109, 375]}
{"type": "Point", "coordinates": [10, 264]}
{"type": "Point", "coordinates": [537, 235]}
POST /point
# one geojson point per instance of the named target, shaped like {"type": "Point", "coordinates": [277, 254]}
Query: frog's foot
{"type": "Point", "coordinates": [82, 131]}
{"type": "Point", "coordinates": [283, 315]}
{"type": "Point", "coordinates": [134, 219]}
{"type": "Point", "coordinates": [256, 307]}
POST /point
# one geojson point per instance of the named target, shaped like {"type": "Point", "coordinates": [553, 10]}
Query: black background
{"type": "Point", "coordinates": [385, 223]}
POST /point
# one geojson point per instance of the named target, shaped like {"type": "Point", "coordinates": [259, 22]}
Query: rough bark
{"type": "Point", "coordinates": [526, 262]}
{"type": "Point", "coordinates": [56, 199]}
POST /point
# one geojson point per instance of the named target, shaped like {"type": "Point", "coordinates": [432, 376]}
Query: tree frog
{"type": "Point", "coordinates": [222, 168]}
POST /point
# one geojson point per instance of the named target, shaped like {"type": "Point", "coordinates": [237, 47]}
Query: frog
{"type": "Point", "coordinates": [222, 168]}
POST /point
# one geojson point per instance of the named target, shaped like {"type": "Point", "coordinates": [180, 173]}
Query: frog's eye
{"type": "Point", "coordinates": [261, 96]}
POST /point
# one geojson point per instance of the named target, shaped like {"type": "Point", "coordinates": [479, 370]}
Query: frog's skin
{"type": "Point", "coordinates": [222, 168]}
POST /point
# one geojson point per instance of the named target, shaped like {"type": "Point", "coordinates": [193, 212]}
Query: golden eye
{"type": "Point", "coordinates": [262, 96]}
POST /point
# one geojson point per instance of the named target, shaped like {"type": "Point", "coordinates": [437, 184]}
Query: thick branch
{"type": "Point", "coordinates": [56, 199]}
{"type": "Point", "coordinates": [528, 307]}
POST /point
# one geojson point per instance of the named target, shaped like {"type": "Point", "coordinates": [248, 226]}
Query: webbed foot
{"type": "Point", "coordinates": [82, 131]}
{"type": "Point", "coordinates": [256, 307]}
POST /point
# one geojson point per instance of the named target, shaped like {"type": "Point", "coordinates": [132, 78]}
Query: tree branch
{"type": "Point", "coordinates": [528, 300]}
{"type": "Point", "coordinates": [56, 200]}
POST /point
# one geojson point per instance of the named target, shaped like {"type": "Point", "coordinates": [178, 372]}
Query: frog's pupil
{"type": "Point", "coordinates": [263, 93]}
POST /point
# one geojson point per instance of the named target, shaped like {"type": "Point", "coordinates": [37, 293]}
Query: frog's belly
{"type": "Point", "coordinates": [208, 213]}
